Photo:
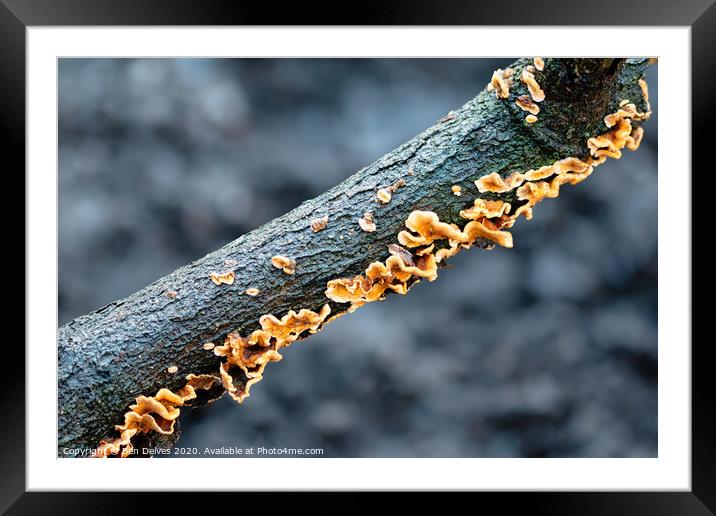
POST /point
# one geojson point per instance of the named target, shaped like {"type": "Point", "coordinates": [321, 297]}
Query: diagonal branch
{"type": "Point", "coordinates": [463, 182]}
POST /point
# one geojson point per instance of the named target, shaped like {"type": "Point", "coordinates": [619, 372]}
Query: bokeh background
{"type": "Point", "coordinates": [554, 354]}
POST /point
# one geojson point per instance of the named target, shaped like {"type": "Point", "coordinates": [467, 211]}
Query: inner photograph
{"type": "Point", "coordinates": [375, 257]}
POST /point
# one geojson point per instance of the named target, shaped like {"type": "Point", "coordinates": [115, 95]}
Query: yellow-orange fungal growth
{"type": "Point", "coordinates": [383, 196]}
{"type": "Point", "coordinates": [456, 190]}
{"type": "Point", "coordinates": [526, 103]}
{"type": "Point", "coordinates": [252, 292]}
{"type": "Point", "coordinates": [645, 91]}
{"type": "Point", "coordinates": [319, 224]}
{"type": "Point", "coordinates": [634, 139]}
{"type": "Point", "coordinates": [501, 82]}
{"type": "Point", "coordinates": [290, 326]}
{"type": "Point", "coordinates": [534, 88]}
{"type": "Point", "coordinates": [208, 346]}
{"type": "Point", "coordinates": [397, 185]}
{"type": "Point", "coordinates": [626, 111]}
{"type": "Point", "coordinates": [287, 265]}
{"type": "Point", "coordinates": [530, 119]}
{"type": "Point", "coordinates": [609, 144]}
{"type": "Point", "coordinates": [251, 354]}
{"type": "Point", "coordinates": [429, 228]}
{"type": "Point", "coordinates": [172, 369]}
{"type": "Point", "coordinates": [495, 183]}
{"type": "Point", "coordinates": [539, 63]}
{"type": "Point", "coordinates": [379, 277]}
{"type": "Point", "coordinates": [425, 250]}
{"type": "Point", "coordinates": [366, 222]}
{"type": "Point", "coordinates": [226, 278]}
{"type": "Point", "coordinates": [153, 414]}
{"type": "Point", "coordinates": [486, 209]}
{"type": "Point", "coordinates": [545, 182]}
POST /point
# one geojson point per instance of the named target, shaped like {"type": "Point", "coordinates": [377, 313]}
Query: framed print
{"type": "Point", "coordinates": [434, 250]}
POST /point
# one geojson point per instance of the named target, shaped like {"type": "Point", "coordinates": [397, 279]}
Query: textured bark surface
{"type": "Point", "coordinates": [110, 356]}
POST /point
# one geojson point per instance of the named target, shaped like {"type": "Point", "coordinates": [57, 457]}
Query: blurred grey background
{"type": "Point", "coordinates": [553, 355]}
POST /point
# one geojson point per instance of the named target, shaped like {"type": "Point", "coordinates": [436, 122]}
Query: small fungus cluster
{"type": "Point", "coordinates": [223, 278]}
{"type": "Point", "coordinates": [287, 265]}
{"type": "Point", "coordinates": [249, 355]}
{"type": "Point", "coordinates": [384, 195]}
{"type": "Point", "coordinates": [535, 91]}
{"type": "Point", "coordinates": [526, 103]}
{"type": "Point", "coordinates": [319, 224]}
{"type": "Point", "coordinates": [395, 275]}
{"type": "Point", "coordinates": [501, 82]}
{"type": "Point", "coordinates": [366, 222]}
{"type": "Point", "coordinates": [154, 414]}
{"type": "Point", "coordinates": [404, 268]}
{"type": "Point", "coordinates": [534, 185]}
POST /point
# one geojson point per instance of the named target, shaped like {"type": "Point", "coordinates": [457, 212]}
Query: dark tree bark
{"type": "Point", "coordinates": [110, 356]}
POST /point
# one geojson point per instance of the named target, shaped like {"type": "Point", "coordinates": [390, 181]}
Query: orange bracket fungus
{"type": "Point", "coordinates": [501, 83]}
{"type": "Point", "coordinates": [525, 103]}
{"type": "Point", "coordinates": [223, 278]}
{"type": "Point", "coordinates": [287, 265]}
{"type": "Point", "coordinates": [155, 414]}
{"type": "Point", "coordinates": [252, 292]}
{"type": "Point", "coordinates": [383, 195]}
{"type": "Point", "coordinates": [247, 357]}
{"type": "Point", "coordinates": [366, 222]}
{"type": "Point", "coordinates": [539, 63]}
{"type": "Point", "coordinates": [534, 88]}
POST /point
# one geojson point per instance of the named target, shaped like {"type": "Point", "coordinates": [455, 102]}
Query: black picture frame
{"type": "Point", "coordinates": [17, 15]}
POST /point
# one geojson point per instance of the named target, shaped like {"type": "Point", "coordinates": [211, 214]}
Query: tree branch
{"type": "Point", "coordinates": [131, 347]}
